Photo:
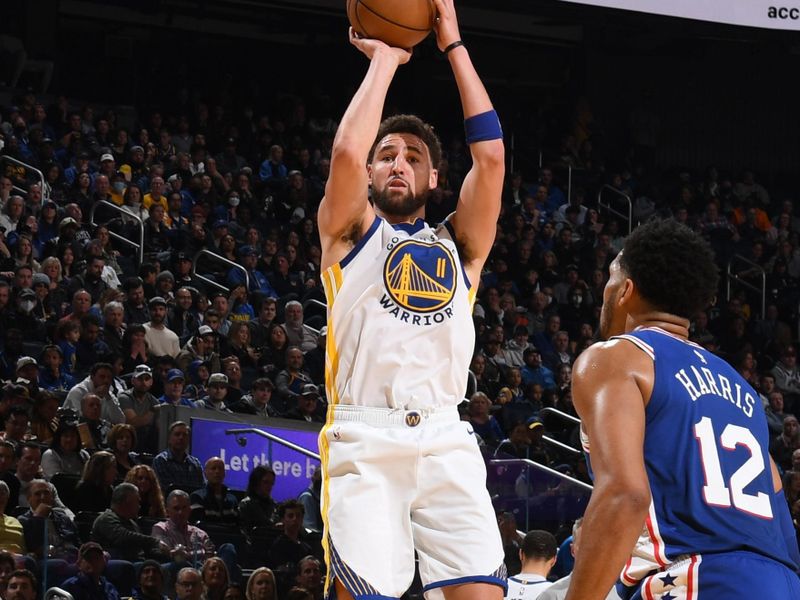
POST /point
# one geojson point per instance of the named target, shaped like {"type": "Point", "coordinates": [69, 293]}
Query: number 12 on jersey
{"type": "Point", "coordinates": [715, 491]}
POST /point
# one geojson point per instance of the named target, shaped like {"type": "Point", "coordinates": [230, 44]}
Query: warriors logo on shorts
{"type": "Point", "coordinates": [420, 277]}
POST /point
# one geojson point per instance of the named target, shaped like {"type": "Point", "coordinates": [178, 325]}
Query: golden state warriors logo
{"type": "Point", "coordinates": [420, 277]}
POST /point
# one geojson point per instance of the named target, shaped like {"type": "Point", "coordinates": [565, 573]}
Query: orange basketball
{"type": "Point", "coordinates": [399, 23]}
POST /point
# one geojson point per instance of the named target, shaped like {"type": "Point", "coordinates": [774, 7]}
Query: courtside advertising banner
{"type": "Point", "coordinates": [770, 14]}
{"type": "Point", "coordinates": [293, 470]}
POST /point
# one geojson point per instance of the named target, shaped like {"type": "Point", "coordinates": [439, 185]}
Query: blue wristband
{"type": "Point", "coordinates": [483, 127]}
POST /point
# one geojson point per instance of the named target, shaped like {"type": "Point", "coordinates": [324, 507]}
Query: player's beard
{"type": "Point", "coordinates": [388, 203]}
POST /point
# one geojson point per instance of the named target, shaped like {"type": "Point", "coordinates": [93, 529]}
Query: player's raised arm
{"type": "Point", "coordinates": [607, 388]}
{"type": "Point", "coordinates": [479, 204]}
{"type": "Point", "coordinates": [345, 205]}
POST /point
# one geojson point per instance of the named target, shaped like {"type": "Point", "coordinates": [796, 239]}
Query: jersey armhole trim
{"type": "Point", "coordinates": [452, 232]}
{"type": "Point", "coordinates": [643, 346]}
{"type": "Point", "coordinates": [360, 244]}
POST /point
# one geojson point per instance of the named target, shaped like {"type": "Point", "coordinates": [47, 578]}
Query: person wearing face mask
{"type": "Point", "coordinates": [25, 319]}
{"type": "Point", "coordinates": [577, 310]}
{"type": "Point", "coordinates": [118, 186]}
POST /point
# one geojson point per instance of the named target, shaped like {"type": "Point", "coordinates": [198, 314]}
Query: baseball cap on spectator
{"type": "Point", "coordinates": [246, 170]}
{"type": "Point", "coordinates": [173, 178]}
{"type": "Point", "coordinates": [218, 379]}
{"type": "Point", "coordinates": [47, 140]}
{"type": "Point", "coordinates": [137, 149]}
{"type": "Point", "coordinates": [41, 279]}
{"type": "Point", "coordinates": [24, 361]}
{"type": "Point", "coordinates": [184, 256]}
{"type": "Point", "coordinates": [205, 330]}
{"type": "Point", "coordinates": [219, 223]}
{"type": "Point", "coordinates": [26, 293]}
{"type": "Point", "coordinates": [105, 157]}
{"type": "Point", "coordinates": [67, 221]}
{"type": "Point", "coordinates": [88, 548]}
{"type": "Point", "coordinates": [174, 374]}
{"type": "Point", "coordinates": [310, 389]}
{"type": "Point", "coordinates": [156, 300]}
{"type": "Point", "coordinates": [141, 371]}
{"type": "Point", "coordinates": [50, 204]}
{"type": "Point", "coordinates": [294, 172]}
{"type": "Point", "coordinates": [83, 155]}
{"type": "Point", "coordinates": [248, 251]}
{"type": "Point", "coordinates": [165, 275]}
{"type": "Point", "coordinates": [534, 422]}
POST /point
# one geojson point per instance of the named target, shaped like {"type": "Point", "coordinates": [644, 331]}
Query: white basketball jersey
{"type": "Point", "coordinates": [400, 330]}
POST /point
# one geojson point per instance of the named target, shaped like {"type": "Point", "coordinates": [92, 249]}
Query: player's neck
{"type": "Point", "coordinates": [398, 219]}
{"type": "Point", "coordinates": [535, 567]}
{"type": "Point", "coordinates": [670, 323]}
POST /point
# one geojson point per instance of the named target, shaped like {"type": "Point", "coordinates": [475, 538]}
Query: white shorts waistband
{"type": "Point", "coordinates": [395, 417]}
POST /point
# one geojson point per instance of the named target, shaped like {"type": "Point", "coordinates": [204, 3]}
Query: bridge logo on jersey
{"type": "Point", "coordinates": [420, 277]}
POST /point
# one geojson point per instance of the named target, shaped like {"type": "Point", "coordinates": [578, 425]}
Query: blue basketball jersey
{"type": "Point", "coordinates": [706, 455]}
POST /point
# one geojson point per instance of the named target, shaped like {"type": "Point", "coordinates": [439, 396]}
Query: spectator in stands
{"type": "Point", "coordinates": [787, 378]}
{"type": "Point", "coordinates": [273, 355]}
{"type": "Point", "coordinates": [289, 547]}
{"type": "Point", "coordinates": [22, 585]}
{"type": "Point", "coordinates": [65, 454]}
{"type": "Point", "coordinates": [26, 319]}
{"type": "Point", "coordinates": [117, 531]}
{"type": "Point", "coordinates": [186, 541]}
{"type": "Point", "coordinates": [233, 371]}
{"type": "Point", "coordinates": [786, 443]}
{"type": "Point", "coordinates": [62, 531]}
{"type": "Point", "coordinates": [217, 389]}
{"type": "Point", "coordinates": [150, 495]}
{"type": "Point", "coordinates": [307, 407]}
{"type": "Point", "coordinates": [182, 319]}
{"type": "Point", "coordinates": [282, 280]}
{"type": "Point", "coordinates": [310, 499]}
{"type": "Point", "coordinates": [114, 326]}
{"type": "Point", "coordinates": [165, 284]}
{"type": "Point", "coordinates": [484, 424]}
{"type": "Point", "coordinates": [216, 577]}
{"type": "Point", "coordinates": [258, 282]}
{"type": "Point", "coordinates": [135, 350]}
{"type": "Point", "coordinates": [90, 280]}
{"type": "Point", "coordinates": [299, 334]}
{"type": "Point", "coordinates": [213, 503]}
{"type": "Point", "coordinates": [561, 354]}
{"type": "Point", "coordinates": [91, 419]}
{"type": "Point", "coordinates": [89, 583]}
{"type": "Point", "coordinates": [136, 311]}
{"type": "Point", "coordinates": [290, 381]}
{"type": "Point", "coordinates": [7, 566]}
{"type": "Point", "coordinates": [29, 461]}
{"type": "Point", "coordinates": [44, 417]}
{"type": "Point", "coordinates": [94, 490]}
{"type": "Point", "coordinates": [173, 390]}
{"type": "Point", "coordinates": [161, 341]}
{"type": "Point", "coordinates": [261, 585]}
{"type": "Point", "coordinates": [774, 412]}
{"type": "Point", "coordinates": [534, 372]}
{"type": "Point", "coordinates": [257, 402]}
{"type": "Point", "coordinates": [258, 509]}
{"type": "Point", "coordinates": [240, 346]}
{"type": "Point", "coordinates": [176, 468]}
{"type": "Point", "coordinates": [260, 327]}
{"type": "Point", "coordinates": [90, 349]}
{"type": "Point", "coordinates": [15, 429]}
{"type": "Point", "coordinates": [150, 585]}
{"type": "Point", "coordinates": [98, 383]}
{"type": "Point", "coordinates": [200, 347]}
{"type": "Point", "coordinates": [121, 441]}
{"type": "Point", "coordinates": [139, 407]}
{"type": "Point", "coordinates": [309, 576]}
{"type": "Point", "coordinates": [189, 584]}
{"type": "Point", "coordinates": [11, 533]}
{"type": "Point", "coordinates": [68, 333]}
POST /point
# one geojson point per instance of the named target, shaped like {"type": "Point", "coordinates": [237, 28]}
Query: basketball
{"type": "Point", "coordinates": [398, 23]}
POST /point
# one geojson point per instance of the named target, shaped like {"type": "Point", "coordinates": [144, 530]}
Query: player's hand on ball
{"type": "Point", "coordinates": [370, 47]}
{"type": "Point", "coordinates": [446, 24]}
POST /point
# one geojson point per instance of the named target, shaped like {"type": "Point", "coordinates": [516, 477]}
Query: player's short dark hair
{"type": "Point", "coordinates": [539, 544]}
{"type": "Point", "coordinates": [672, 266]}
{"type": "Point", "coordinates": [415, 126]}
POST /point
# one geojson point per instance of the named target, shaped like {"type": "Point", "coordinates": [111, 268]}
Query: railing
{"type": "Point", "coordinates": [28, 168]}
{"type": "Point", "coordinates": [242, 441]}
{"type": "Point", "coordinates": [536, 466]}
{"type": "Point", "coordinates": [609, 208]}
{"type": "Point", "coordinates": [223, 260]}
{"type": "Point", "coordinates": [125, 215]}
{"type": "Point", "coordinates": [741, 278]}
{"type": "Point", "coordinates": [560, 445]}
{"type": "Point", "coordinates": [561, 415]}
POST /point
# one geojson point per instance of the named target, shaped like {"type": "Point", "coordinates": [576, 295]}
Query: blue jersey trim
{"type": "Point", "coordinates": [332, 596]}
{"type": "Point", "coordinates": [410, 228]}
{"type": "Point", "coordinates": [472, 579]}
{"type": "Point", "coordinates": [449, 226]}
{"type": "Point", "coordinates": [360, 244]}
{"type": "Point", "coordinates": [524, 582]}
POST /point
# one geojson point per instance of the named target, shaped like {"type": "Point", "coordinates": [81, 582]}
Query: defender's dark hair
{"type": "Point", "coordinates": [539, 544]}
{"type": "Point", "coordinates": [415, 126]}
{"type": "Point", "coordinates": [672, 266]}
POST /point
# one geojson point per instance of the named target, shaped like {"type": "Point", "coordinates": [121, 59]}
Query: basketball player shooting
{"type": "Point", "coordinates": [401, 472]}
{"type": "Point", "coordinates": [678, 443]}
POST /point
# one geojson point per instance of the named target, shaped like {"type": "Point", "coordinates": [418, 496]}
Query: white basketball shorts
{"type": "Point", "coordinates": [396, 481]}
